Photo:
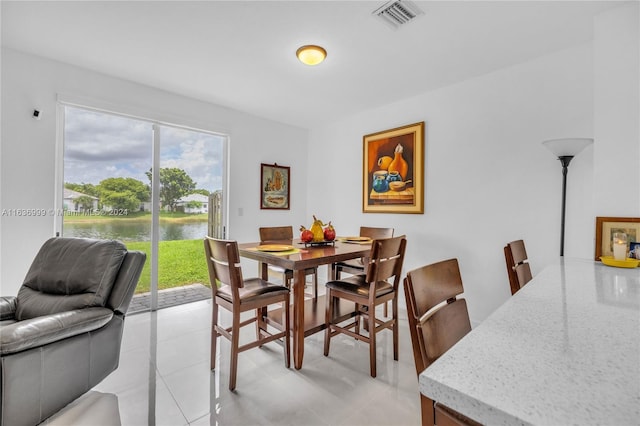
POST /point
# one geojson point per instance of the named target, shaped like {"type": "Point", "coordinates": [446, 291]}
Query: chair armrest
{"type": "Point", "coordinates": [7, 307]}
{"type": "Point", "coordinates": [39, 331]}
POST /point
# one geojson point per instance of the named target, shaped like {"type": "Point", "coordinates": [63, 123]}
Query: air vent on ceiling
{"type": "Point", "coordinates": [397, 13]}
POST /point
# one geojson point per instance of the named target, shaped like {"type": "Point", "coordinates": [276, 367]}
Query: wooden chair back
{"type": "Point", "coordinates": [437, 314]}
{"type": "Point", "coordinates": [276, 233]}
{"type": "Point", "coordinates": [518, 268]}
{"type": "Point", "coordinates": [387, 256]}
{"type": "Point", "coordinates": [223, 261]}
{"type": "Point", "coordinates": [376, 233]}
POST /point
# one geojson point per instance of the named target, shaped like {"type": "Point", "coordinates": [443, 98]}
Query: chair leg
{"type": "Point", "coordinates": [315, 285]}
{"type": "Point", "coordinates": [394, 310]}
{"type": "Point", "coordinates": [235, 344]}
{"type": "Point", "coordinates": [260, 323]}
{"type": "Point", "coordinates": [287, 328]}
{"type": "Point", "coordinates": [372, 339]}
{"type": "Point", "coordinates": [327, 320]}
{"type": "Point", "coordinates": [214, 334]}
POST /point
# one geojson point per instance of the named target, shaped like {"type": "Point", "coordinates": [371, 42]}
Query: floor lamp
{"type": "Point", "coordinates": [565, 150]}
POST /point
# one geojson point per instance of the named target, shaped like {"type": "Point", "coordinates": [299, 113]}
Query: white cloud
{"type": "Point", "coordinates": [98, 146]}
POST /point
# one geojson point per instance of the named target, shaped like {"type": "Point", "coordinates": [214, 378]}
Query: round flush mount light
{"type": "Point", "coordinates": [311, 54]}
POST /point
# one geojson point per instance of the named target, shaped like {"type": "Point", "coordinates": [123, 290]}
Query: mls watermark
{"type": "Point", "coordinates": [31, 212]}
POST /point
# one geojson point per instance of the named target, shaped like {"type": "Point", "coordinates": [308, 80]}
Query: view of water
{"type": "Point", "coordinates": [135, 231]}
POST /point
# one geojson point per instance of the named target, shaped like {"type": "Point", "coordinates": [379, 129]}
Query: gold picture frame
{"type": "Point", "coordinates": [393, 170]}
{"type": "Point", "coordinates": [606, 226]}
{"type": "Point", "coordinates": [275, 181]}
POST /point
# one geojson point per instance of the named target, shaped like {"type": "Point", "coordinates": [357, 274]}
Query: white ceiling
{"type": "Point", "coordinates": [241, 54]}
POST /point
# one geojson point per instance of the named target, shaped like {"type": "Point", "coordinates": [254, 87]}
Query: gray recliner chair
{"type": "Point", "coordinates": [61, 335]}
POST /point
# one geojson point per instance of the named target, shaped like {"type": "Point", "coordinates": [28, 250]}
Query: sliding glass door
{"type": "Point", "coordinates": [115, 166]}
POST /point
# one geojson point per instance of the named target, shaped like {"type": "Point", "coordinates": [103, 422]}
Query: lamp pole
{"type": "Point", "coordinates": [565, 150]}
{"type": "Point", "coordinates": [564, 160]}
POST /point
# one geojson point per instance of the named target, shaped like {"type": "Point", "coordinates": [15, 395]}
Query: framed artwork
{"type": "Point", "coordinates": [606, 226]}
{"type": "Point", "coordinates": [274, 187]}
{"type": "Point", "coordinates": [393, 170]}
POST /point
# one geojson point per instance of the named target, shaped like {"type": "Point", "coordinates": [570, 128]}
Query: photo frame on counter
{"type": "Point", "coordinates": [393, 170]}
{"type": "Point", "coordinates": [275, 181]}
{"type": "Point", "coordinates": [606, 226]}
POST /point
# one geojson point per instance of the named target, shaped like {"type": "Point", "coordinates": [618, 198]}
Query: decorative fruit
{"type": "Point", "coordinates": [316, 229]}
{"type": "Point", "coordinates": [329, 232]}
{"type": "Point", "coordinates": [399, 164]}
{"type": "Point", "coordinates": [305, 235]}
{"type": "Point", "coordinates": [383, 162]}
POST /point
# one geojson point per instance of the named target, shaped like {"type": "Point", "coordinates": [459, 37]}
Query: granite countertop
{"type": "Point", "coordinates": [564, 350]}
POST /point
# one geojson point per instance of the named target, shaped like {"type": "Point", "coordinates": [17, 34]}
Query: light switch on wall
{"type": "Point", "coordinates": [240, 211]}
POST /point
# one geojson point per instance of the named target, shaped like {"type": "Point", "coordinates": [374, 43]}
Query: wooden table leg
{"type": "Point", "coordinates": [298, 318]}
{"type": "Point", "coordinates": [263, 269]}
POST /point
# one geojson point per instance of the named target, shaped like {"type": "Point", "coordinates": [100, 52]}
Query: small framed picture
{"type": "Point", "coordinates": [634, 250]}
{"type": "Point", "coordinates": [607, 226]}
{"type": "Point", "coordinates": [274, 186]}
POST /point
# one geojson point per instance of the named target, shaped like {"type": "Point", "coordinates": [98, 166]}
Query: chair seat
{"type": "Point", "coordinates": [253, 289]}
{"type": "Point", "coordinates": [356, 284]}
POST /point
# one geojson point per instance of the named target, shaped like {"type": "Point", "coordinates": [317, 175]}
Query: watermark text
{"type": "Point", "coordinates": [35, 212]}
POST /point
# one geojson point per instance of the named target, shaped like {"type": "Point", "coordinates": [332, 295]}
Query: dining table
{"type": "Point", "coordinates": [565, 349]}
{"type": "Point", "coordinates": [308, 314]}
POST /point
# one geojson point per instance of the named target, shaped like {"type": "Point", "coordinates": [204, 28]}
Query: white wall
{"type": "Point", "coordinates": [488, 178]}
{"type": "Point", "coordinates": [617, 112]}
{"type": "Point", "coordinates": [27, 160]}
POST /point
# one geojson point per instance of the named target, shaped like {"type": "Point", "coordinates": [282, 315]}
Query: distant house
{"type": "Point", "coordinates": [70, 201]}
{"type": "Point", "coordinates": [193, 203]}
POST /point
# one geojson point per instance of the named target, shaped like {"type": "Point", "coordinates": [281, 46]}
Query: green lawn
{"type": "Point", "coordinates": [180, 263]}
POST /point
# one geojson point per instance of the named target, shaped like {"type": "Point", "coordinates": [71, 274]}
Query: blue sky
{"type": "Point", "coordinates": [99, 145]}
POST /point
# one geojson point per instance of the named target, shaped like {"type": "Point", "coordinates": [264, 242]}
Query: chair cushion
{"type": "Point", "coordinates": [253, 289]}
{"type": "Point", "coordinates": [69, 273]}
{"type": "Point", "coordinates": [356, 284]}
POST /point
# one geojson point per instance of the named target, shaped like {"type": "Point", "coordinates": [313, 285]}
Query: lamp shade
{"type": "Point", "coordinates": [311, 54]}
{"type": "Point", "coordinates": [568, 147]}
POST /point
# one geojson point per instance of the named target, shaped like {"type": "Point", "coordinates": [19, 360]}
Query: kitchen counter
{"type": "Point", "coordinates": [565, 349]}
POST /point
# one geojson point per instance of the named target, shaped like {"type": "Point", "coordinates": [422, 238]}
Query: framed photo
{"type": "Point", "coordinates": [393, 170]}
{"type": "Point", "coordinates": [274, 187]}
{"type": "Point", "coordinates": [606, 226]}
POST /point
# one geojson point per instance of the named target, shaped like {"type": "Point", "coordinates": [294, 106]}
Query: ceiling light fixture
{"type": "Point", "coordinates": [311, 54]}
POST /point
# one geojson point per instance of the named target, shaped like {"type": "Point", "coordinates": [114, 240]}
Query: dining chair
{"type": "Point", "coordinates": [279, 234]}
{"type": "Point", "coordinates": [356, 266]}
{"type": "Point", "coordinates": [518, 268]}
{"type": "Point", "coordinates": [438, 318]}
{"type": "Point", "coordinates": [375, 287]}
{"type": "Point", "coordinates": [237, 295]}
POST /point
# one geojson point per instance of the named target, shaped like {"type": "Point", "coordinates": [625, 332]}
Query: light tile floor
{"type": "Point", "coordinates": [164, 379]}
